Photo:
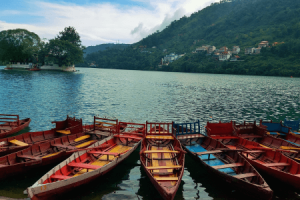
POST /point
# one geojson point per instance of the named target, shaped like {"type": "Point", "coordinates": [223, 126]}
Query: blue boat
{"type": "Point", "coordinates": [294, 125]}
{"type": "Point", "coordinates": [225, 163]}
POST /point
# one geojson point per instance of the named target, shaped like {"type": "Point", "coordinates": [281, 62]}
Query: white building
{"type": "Point", "coordinates": [224, 56]}
{"type": "Point", "coordinates": [236, 49]}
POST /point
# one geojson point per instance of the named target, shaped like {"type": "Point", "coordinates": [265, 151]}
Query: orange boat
{"type": "Point", "coordinates": [87, 165]}
{"type": "Point", "coordinates": [162, 158]}
{"type": "Point", "coordinates": [12, 124]}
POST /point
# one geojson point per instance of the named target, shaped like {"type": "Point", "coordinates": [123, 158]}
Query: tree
{"type": "Point", "coordinates": [66, 48]}
{"type": "Point", "coordinates": [18, 45]}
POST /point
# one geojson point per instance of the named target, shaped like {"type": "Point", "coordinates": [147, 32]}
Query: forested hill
{"type": "Point", "coordinates": [243, 23]}
{"type": "Point", "coordinates": [102, 47]}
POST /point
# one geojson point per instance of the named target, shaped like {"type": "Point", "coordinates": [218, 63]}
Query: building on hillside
{"type": "Point", "coordinates": [224, 56]}
{"type": "Point", "coordinates": [249, 50]}
{"type": "Point", "coordinates": [234, 58]}
{"type": "Point", "coordinates": [277, 43]}
{"type": "Point", "coordinates": [211, 49]}
{"type": "Point", "coordinates": [257, 50]}
{"type": "Point", "coordinates": [236, 49]}
{"type": "Point", "coordinates": [202, 49]}
{"type": "Point", "coordinates": [170, 58]}
{"type": "Point", "coordinates": [263, 44]}
{"type": "Point", "coordinates": [223, 49]}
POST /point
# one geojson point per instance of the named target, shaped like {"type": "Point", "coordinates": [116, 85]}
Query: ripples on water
{"type": "Point", "coordinates": [138, 96]}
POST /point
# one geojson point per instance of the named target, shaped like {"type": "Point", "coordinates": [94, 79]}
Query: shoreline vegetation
{"type": "Point", "coordinates": [22, 46]}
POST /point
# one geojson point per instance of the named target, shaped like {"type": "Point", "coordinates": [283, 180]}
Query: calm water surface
{"type": "Point", "coordinates": [138, 96]}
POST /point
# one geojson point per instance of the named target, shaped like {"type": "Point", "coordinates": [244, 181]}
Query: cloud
{"type": "Point", "coordinates": [104, 22]}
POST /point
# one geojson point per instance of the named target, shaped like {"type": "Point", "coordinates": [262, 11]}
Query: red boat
{"type": "Point", "coordinates": [258, 134]}
{"type": "Point", "coordinates": [87, 165]}
{"type": "Point", "coordinates": [267, 160]}
{"type": "Point", "coordinates": [162, 158]}
{"type": "Point", "coordinates": [12, 124]}
{"type": "Point", "coordinates": [19, 142]}
{"type": "Point", "coordinates": [44, 153]}
{"type": "Point", "coordinates": [277, 165]}
{"type": "Point", "coordinates": [227, 165]}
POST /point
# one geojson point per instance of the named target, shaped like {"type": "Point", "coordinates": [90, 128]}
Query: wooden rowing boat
{"type": "Point", "coordinates": [258, 134]}
{"type": "Point", "coordinates": [276, 165]}
{"type": "Point", "coordinates": [226, 164]}
{"type": "Point", "coordinates": [268, 160]}
{"type": "Point", "coordinates": [162, 158]}
{"type": "Point", "coordinates": [12, 124]}
{"type": "Point", "coordinates": [87, 165]}
{"type": "Point", "coordinates": [276, 129]}
{"type": "Point", "coordinates": [294, 125]}
{"type": "Point", "coordinates": [25, 140]}
{"type": "Point", "coordinates": [45, 153]}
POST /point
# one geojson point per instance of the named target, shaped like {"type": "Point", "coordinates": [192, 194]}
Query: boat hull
{"type": "Point", "coordinates": [48, 191]}
{"type": "Point", "coordinates": [287, 178]}
{"type": "Point", "coordinates": [250, 189]}
{"type": "Point", "coordinates": [25, 124]}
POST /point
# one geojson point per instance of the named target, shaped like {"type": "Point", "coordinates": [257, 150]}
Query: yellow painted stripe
{"type": "Point", "coordinates": [53, 154]}
{"type": "Point", "coordinates": [165, 137]}
{"type": "Point", "coordinates": [82, 138]}
{"type": "Point", "coordinates": [116, 149]}
{"type": "Point", "coordinates": [66, 132]}
{"type": "Point", "coordinates": [85, 144]}
{"type": "Point", "coordinates": [18, 142]}
{"type": "Point", "coordinates": [264, 146]}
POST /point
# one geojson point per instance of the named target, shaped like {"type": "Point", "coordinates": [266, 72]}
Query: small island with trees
{"type": "Point", "coordinates": [21, 49]}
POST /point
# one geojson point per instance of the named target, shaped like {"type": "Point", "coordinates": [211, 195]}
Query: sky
{"type": "Point", "coordinates": [96, 21]}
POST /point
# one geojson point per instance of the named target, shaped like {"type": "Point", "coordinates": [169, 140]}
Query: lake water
{"type": "Point", "coordinates": [140, 96]}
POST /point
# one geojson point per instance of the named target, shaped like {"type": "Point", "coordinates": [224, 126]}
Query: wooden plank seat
{"type": "Point", "coordinates": [246, 175]}
{"type": "Point", "coordinates": [128, 137]}
{"type": "Point", "coordinates": [217, 137]}
{"type": "Point", "coordinates": [165, 167]}
{"type": "Point", "coordinates": [160, 137]}
{"type": "Point", "coordinates": [250, 136]}
{"type": "Point", "coordinates": [254, 151]}
{"type": "Point", "coordinates": [82, 138]}
{"type": "Point", "coordinates": [63, 146]}
{"type": "Point", "coordinates": [276, 164]}
{"type": "Point", "coordinates": [162, 173]}
{"type": "Point", "coordinates": [228, 165]}
{"type": "Point", "coordinates": [208, 152]}
{"type": "Point", "coordinates": [188, 136]}
{"type": "Point", "coordinates": [18, 143]}
{"type": "Point", "coordinates": [66, 132]}
{"type": "Point", "coordinates": [160, 151]}
{"type": "Point", "coordinates": [29, 157]}
{"type": "Point", "coordinates": [60, 177]}
{"type": "Point", "coordinates": [104, 153]}
{"type": "Point", "coordinates": [82, 165]}
{"type": "Point", "coordinates": [102, 126]}
{"type": "Point", "coordinates": [159, 132]}
{"type": "Point", "coordinates": [166, 178]}
{"type": "Point", "coordinates": [88, 143]}
{"type": "Point", "coordinates": [108, 123]}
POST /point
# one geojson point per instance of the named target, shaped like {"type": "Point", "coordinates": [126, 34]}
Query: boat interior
{"type": "Point", "coordinates": [162, 155]}
{"type": "Point", "coordinates": [50, 149]}
{"type": "Point", "coordinates": [223, 159]}
{"type": "Point", "coordinates": [96, 158]}
{"type": "Point", "coordinates": [275, 160]}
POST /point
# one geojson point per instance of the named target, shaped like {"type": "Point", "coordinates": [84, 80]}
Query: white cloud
{"type": "Point", "coordinates": [105, 22]}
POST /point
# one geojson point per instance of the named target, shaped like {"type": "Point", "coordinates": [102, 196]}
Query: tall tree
{"type": "Point", "coordinates": [66, 48]}
{"type": "Point", "coordinates": [18, 45]}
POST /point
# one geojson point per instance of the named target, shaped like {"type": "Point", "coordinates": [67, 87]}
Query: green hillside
{"type": "Point", "coordinates": [243, 23]}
